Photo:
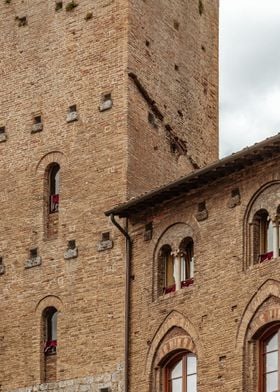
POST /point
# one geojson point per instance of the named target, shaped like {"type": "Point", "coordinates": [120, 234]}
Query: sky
{"type": "Point", "coordinates": [249, 72]}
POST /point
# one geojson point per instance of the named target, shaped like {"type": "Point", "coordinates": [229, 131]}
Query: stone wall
{"type": "Point", "coordinates": [112, 381]}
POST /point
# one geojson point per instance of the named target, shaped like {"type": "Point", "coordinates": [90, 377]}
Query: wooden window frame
{"type": "Point", "coordinates": [267, 334]}
{"type": "Point", "coordinates": [168, 367]}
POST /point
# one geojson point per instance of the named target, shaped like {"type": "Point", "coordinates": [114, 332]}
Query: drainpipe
{"type": "Point", "coordinates": [128, 247]}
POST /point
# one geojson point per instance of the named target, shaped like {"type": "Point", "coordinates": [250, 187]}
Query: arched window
{"type": "Point", "coordinates": [180, 373]}
{"type": "Point", "coordinates": [262, 236]}
{"type": "Point", "coordinates": [50, 330]}
{"type": "Point", "coordinates": [270, 360]}
{"type": "Point", "coordinates": [187, 262]}
{"type": "Point", "coordinates": [168, 266]}
{"type": "Point", "coordinates": [54, 188]}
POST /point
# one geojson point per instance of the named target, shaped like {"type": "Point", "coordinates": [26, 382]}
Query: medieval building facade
{"type": "Point", "coordinates": [177, 290]}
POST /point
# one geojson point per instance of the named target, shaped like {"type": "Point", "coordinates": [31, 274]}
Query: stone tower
{"type": "Point", "coordinates": [100, 101]}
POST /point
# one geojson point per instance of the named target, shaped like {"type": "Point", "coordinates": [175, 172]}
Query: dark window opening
{"type": "Point", "coordinates": [50, 322]}
{"type": "Point", "coordinates": [54, 188]}
{"type": "Point", "coordinates": [262, 237]}
{"type": "Point", "coordinates": [187, 262]}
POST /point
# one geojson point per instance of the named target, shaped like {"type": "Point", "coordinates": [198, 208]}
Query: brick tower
{"type": "Point", "coordinates": [100, 101]}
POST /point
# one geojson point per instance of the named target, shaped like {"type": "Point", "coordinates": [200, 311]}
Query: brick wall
{"type": "Point", "coordinates": [230, 300]}
{"type": "Point", "coordinates": [51, 60]}
{"type": "Point", "coordinates": [173, 121]}
{"type": "Point", "coordinates": [56, 60]}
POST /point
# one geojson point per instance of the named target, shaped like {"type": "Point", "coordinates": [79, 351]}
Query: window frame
{"type": "Point", "coordinates": [50, 330]}
{"type": "Point", "coordinates": [169, 366]}
{"type": "Point", "coordinates": [266, 335]}
{"type": "Point", "coordinates": [54, 188]}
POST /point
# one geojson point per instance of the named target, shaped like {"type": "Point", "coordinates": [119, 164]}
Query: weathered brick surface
{"type": "Point", "coordinates": [57, 60]}
{"type": "Point", "coordinates": [229, 301]}
{"type": "Point", "coordinates": [51, 60]}
{"type": "Point", "coordinates": [187, 98]}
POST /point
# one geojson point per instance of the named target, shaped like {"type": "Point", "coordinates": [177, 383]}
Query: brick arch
{"type": "Point", "coordinates": [48, 301]}
{"type": "Point", "coordinates": [182, 342]}
{"type": "Point", "coordinates": [174, 234]}
{"type": "Point", "coordinates": [47, 159]}
{"type": "Point", "coordinates": [263, 198]}
{"type": "Point", "coordinates": [174, 319]}
{"type": "Point", "coordinates": [256, 196]}
{"type": "Point", "coordinates": [268, 289]}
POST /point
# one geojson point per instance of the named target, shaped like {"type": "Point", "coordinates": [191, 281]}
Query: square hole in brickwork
{"type": "Point", "coordinates": [37, 124]}
{"type": "Point", "coordinates": [148, 233]}
{"type": "Point", "coordinates": [202, 206]}
{"type": "Point", "coordinates": [105, 236]}
{"type": "Point", "coordinates": [37, 119]}
{"type": "Point", "coordinates": [235, 192]}
{"type": "Point", "coordinates": [72, 108]}
{"type": "Point", "coordinates": [180, 113]}
{"type": "Point", "coordinates": [22, 20]}
{"type": "Point", "coordinates": [176, 25]}
{"type": "Point", "coordinates": [3, 136]}
{"type": "Point", "coordinates": [58, 5]}
{"type": "Point", "coordinates": [71, 244]}
{"type": "Point", "coordinates": [2, 267]}
{"type": "Point", "coordinates": [72, 114]}
{"type": "Point", "coordinates": [106, 103]}
{"type": "Point", "coordinates": [33, 253]}
{"type": "Point", "coordinates": [89, 16]}
{"type": "Point", "coordinates": [71, 6]}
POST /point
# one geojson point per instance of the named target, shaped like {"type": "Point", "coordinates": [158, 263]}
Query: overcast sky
{"type": "Point", "coordinates": [249, 72]}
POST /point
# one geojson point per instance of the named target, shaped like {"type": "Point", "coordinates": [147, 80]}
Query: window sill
{"type": "Point", "coordinates": [265, 264]}
{"type": "Point", "coordinates": [185, 289]}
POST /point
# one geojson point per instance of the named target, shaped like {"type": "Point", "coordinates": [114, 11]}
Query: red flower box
{"type": "Point", "coordinates": [266, 257]}
{"type": "Point", "coordinates": [187, 282]}
{"type": "Point", "coordinates": [169, 289]}
{"type": "Point", "coordinates": [50, 347]}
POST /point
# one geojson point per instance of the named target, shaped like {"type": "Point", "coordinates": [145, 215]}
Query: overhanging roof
{"type": "Point", "coordinates": [262, 151]}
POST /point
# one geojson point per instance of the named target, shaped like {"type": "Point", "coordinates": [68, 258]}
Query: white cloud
{"type": "Point", "coordinates": [249, 72]}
